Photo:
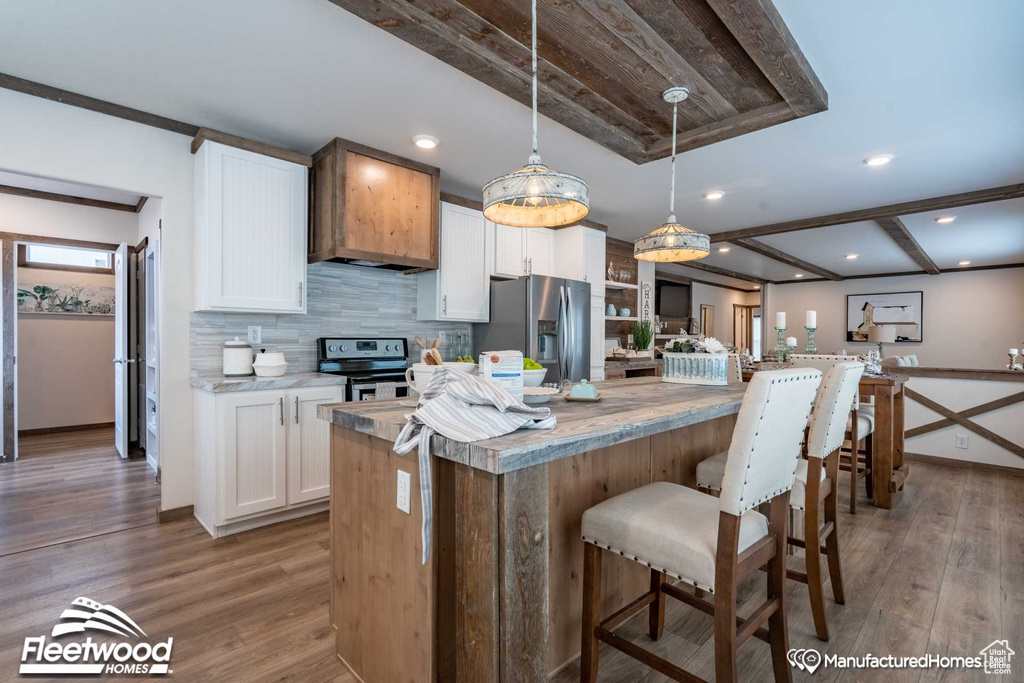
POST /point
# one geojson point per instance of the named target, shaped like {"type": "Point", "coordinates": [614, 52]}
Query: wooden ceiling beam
{"type": "Point", "coordinates": [952, 201]}
{"type": "Point", "coordinates": [759, 28]}
{"type": "Point", "coordinates": [771, 252]}
{"type": "Point", "coordinates": [751, 121]}
{"type": "Point", "coordinates": [67, 198]}
{"type": "Point", "coordinates": [727, 273]}
{"type": "Point", "coordinates": [904, 273]}
{"type": "Point", "coordinates": [894, 227]}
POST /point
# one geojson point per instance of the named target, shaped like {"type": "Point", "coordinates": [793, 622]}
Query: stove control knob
{"type": "Point", "coordinates": [332, 348]}
{"type": "Point", "coordinates": [344, 348]}
{"type": "Point", "coordinates": [388, 347]}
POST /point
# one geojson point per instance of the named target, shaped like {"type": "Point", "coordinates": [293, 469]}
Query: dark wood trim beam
{"type": "Point", "coordinates": [58, 241]}
{"type": "Point", "coordinates": [1016, 449]}
{"type": "Point", "coordinates": [48, 92]}
{"type": "Point", "coordinates": [964, 373]}
{"type": "Point", "coordinates": [758, 28]}
{"type": "Point", "coordinates": [66, 198]}
{"type": "Point", "coordinates": [741, 124]}
{"type": "Point", "coordinates": [248, 145]}
{"type": "Point", "coordinates": [141, 203]}
{"type": "Point", "coordinates": [870, 276]}
{"type": "Point", "coordinates": [8, 305]}
{"type": "Point", "coordinates": [727, 273]}
{"type": "Point", "coordinates": [952, 201]}
{"type": "Point", "coordinates": [771, 252]}
{"type": "Point", "coordinates": [894, 227]}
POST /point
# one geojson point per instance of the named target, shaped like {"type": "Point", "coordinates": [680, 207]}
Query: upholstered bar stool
{"type": "Point", "coordinates": [816, 484]}
{"type": "Point", "coordinates": [708, 543]}
{"type": "Point", "coordinates": [860, 429]}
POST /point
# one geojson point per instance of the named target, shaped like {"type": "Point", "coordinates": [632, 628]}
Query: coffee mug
{"type": "Point", "coordinates": [418, 376]}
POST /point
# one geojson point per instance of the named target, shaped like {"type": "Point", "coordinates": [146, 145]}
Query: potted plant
{"type": "Point", "coordinates": [643, 335]}
{"type": "Point", "coordinates": [696, 362]}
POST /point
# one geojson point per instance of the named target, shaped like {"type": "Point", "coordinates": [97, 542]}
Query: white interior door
{"type": "Point", "coordinates": [121, 351]}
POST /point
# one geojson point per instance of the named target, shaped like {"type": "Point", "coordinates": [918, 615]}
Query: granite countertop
{"type": "Point", "coordinates": [219, 383]}
{"type": "Point", "coordinates": [632, 363]}
{"type": "Point", "coordinates": [628, 409]}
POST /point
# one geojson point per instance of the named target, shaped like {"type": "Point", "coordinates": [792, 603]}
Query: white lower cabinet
{"type": "Point", "coordinates": [261, 456]}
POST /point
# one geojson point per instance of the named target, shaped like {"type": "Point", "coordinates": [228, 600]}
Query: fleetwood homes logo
{"type": "Point", "coordinates": [120, 657]}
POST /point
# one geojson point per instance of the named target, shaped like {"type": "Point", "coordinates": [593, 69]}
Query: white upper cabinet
{"type": "Point", "coordinates": [251, 229]}
{"type": "Point", "coordinates": [581, 256]}
{"type": "Point", "coordinates": [459, 289]}
{"type": "Point", "coordinates": [509, 251]}
{"type": "Point", "coordinates": [540, 244]}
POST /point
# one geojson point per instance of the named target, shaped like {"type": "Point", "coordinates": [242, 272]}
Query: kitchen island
{"type": "Point", "coordinates": [499, 598]}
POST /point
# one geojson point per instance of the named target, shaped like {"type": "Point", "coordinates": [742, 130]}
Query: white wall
{"type": "Point", "coordinates": [48, 139]}
{"type": "Point", "coordinates": [969, 321]}
{"type": "Point", "coordinates": [65, 373]}
{"type": "Point", "coordinates": [68, 221]}
{"type": "Point", "coordinates": [723, 300]}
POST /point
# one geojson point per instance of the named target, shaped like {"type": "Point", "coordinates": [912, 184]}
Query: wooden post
{"type": "Point", "coordinates": [884, 445]}
{"type": "Point", "coordinates": [9, 304]}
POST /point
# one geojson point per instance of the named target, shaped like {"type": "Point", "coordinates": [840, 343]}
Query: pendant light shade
{"type": "Point", "coordinates": [672, 242]}
{"type": "Point", "coordinates": [535, 196]}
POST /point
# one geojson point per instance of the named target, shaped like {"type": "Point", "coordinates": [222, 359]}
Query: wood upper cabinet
{"type": "Point", "coordinates": [250, 212]}
{"type": "Point", "coordinates": [370, 205]}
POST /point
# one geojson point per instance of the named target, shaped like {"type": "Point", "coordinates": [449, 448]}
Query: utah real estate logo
{"type": "Point", "coordinates": [120, 657]}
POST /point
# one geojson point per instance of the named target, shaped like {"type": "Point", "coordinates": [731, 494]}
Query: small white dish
{"type": "Point", "coordinates": [534, 378]}
{"type": "Point", "coordinates": [535, 395]}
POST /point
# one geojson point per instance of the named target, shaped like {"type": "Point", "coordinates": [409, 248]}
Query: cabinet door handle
{"type": "Point", "coordinates": [524, 265]}
{"type": "Point", "coordinates": [529, 271]}
{"type": "Point", "coordinates": [444, 304]}
{"type": "Point", "coordinates": [300, 294]}
{"type": "Point", "coordinates": [296, 410]}
{"type": "Point", "coordinates": [282, 410]}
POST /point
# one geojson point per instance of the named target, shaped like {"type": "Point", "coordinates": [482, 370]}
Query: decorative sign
{"type": "Point", "coordinates": [645, 302]}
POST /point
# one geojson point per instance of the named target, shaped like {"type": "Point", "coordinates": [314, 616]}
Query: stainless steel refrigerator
{"type": "Point", "coordinates": [547, 318]}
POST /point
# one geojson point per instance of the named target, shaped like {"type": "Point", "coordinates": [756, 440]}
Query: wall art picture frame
{"type": "Point", "coordinates": [64, 299]}
{"type": "Point", "coordinates": [902, 310]}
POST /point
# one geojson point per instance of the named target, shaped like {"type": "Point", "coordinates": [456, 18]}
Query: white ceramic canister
{"type": "Point", "coordinates": [269, 364]}
{"type": "Point", "coordinates": [237, 358]}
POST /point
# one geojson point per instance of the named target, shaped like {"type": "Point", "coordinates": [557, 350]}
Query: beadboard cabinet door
{"type": "Point", "coordinates": [255, 452]}
{"type": "Point", "coordinates": [309, 443]}
{"type": "Point", "coordinates": [460, 289]}
{"type": "Point", "coordinates": [251, 231]}
{"type": "Point", "coordinates": [540, 244]}
{"type": "Point", "coordinates": [509, 251]}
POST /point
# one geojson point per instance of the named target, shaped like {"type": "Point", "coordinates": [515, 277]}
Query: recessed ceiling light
{"type": "Point", "coordinates": [722, 250]}
{"type": "Point", "coordinates": [850, 257]}
{"type": "Point", "coordinates": [425, 141]}
{"type": "Point", "coordinates": [757, 286]}
{"type": "Point", "coordinates": [945, 219]}
{"type": "Point", "coordinates": [878, 160]}
{"type": "Point", "coordinates": [799, 275]}
{"type": "Point", "coordinates": [714, 194]}
{"type": "Point", "coordinates": [964, 263]}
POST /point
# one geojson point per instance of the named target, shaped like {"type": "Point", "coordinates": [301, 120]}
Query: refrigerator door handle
{"type": "Point", "coordinates": [562, 333]}
{"type": "Point", "coordinates": [571, 319]}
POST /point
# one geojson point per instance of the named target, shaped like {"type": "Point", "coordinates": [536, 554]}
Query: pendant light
{"type": "Point", "coordinates": [535, 196]}
{"type": "Point", "coordinates": [672, 242]}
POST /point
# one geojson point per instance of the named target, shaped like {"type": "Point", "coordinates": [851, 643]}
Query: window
{"type": "Point", "coordinates": [65, 258]}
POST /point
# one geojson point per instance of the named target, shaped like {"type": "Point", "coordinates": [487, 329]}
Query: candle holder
{"type": "Point", "coordinates": [1014, 366]}
{"type": "Point", "coordinates": [811, 347]}
{"type": "Point", "coordinates": [781, 348]}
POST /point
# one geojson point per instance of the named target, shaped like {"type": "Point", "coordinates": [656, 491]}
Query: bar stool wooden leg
{"type": "Point", "coordinates": [778, 634]}
{"type": "Point", "coordinates": [725, 598]}
{"type": "Point", "coordinates": [869, 460]}
{"type": "Point", "coordinates": [656, 613]}
{"type": "Point", "coordinates": [812, 545]}
{"type": "Point", "coordinates": [835, 569]}
{"type": "Point", "coordinates": [591, 612]}
{"type": "Point", "coordinates": [854, 462]}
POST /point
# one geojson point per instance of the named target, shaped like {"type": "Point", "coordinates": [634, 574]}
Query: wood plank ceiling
{"type": "Point", "coordinates": [603, 64]}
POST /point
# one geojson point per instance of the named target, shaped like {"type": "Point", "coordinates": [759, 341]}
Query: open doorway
{"type": "Point", "coordinates": [80, 393]}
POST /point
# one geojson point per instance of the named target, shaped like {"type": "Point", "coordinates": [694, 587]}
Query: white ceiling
{"type": "Point", "coordinates": [938, 83]}
{"type": "Point", "coordinates": [828, 247]}
{"type": "Point", "coordinates": [74, 189]}
{"type": "Point", "coordinates": [984, 234]}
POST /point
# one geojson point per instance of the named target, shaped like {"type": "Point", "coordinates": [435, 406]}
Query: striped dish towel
{"type": "Point", "coordinates": [466, 408]}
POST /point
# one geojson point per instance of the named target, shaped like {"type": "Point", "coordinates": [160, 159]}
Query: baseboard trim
{"type": "Point", "coordinates": [174, 514]}
{"type": "Point", "coordinates": [964, 464]}
{"type": "Point", "coordinates": [67, 428]}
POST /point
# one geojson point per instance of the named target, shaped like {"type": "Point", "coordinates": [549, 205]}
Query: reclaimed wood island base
{"type": "Point", "coordinates": [499, 598]}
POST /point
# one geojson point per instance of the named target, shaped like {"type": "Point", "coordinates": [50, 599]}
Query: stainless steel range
{"type": "Point", "coordinates": [375, 368]}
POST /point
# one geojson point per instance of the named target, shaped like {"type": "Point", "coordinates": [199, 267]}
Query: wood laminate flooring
{"type": "Point", "coordinates": [71, 485]}
{"type": "Point", "coordinates": [942, 572]}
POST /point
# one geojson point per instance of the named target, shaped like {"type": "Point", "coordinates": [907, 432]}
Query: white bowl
{"type": "Point", "coordinates": [268, 370]}
{"type": "Point", "coordinates": [534, 395]}
{"type": "Point", "coordinates": [460, 367]}
{"type": "Point", "coordinates": [534, 378]}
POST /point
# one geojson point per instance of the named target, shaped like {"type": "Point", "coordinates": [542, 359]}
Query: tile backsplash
{"type": "Point", "coordinates": [344, 301]}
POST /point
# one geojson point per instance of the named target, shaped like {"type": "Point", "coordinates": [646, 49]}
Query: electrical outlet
{"type": "Point", "coordinates": [255, 334]}
{"type": "Point", "coordinates": [962, 440]}
{"type": "Point", "coordinates": [445, 337]}
{"type": "Point", "coordinates": [404, 493]}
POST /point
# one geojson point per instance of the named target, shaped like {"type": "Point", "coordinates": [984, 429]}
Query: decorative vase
{"type": "Point", "coordinates": [696, 368]}
{"type": "Point", "coordinates": [624, 312]}
{"type": "Point", "coordinates": [610, 310]}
